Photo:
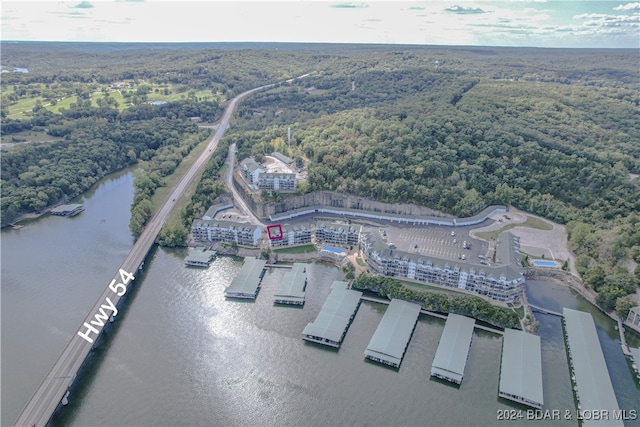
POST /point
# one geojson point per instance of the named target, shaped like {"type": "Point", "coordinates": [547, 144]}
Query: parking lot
{"type": "Point", "coordinates": [435, 241]}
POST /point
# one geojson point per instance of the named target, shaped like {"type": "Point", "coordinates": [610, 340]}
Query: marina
{"type": "Point", "coordinates": [521, 368]}
{"type": "Point", "coordinates": [335, 317]}
{"type": "Point", "coordinates": [292, 288]}
{"type": "Point", "coordinates": [200, 257]}
{"type": "Point", "coordinates": [247, 283]}
{"type": "Point", "coordinates": [453, 349]}
{"type": "Point", "coordinates": [593, 389]}
{"type": "Point", "coordinates": [393, 333]}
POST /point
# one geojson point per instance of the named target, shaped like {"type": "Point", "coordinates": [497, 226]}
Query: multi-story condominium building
{"type": "Point", "coordinates": [254, 174]}
{"type": "Point", "coordinates": [251, 170]}
{"type": "Point", "coordinates": [633, 318]}
{"type": "Point", "coordinates": [337, 234]}
{"type": "Point", "coordinates": [502, 281]}
{"type": "Point", "coordinates": [225, 231]}
{"type": "Point", "coordinates": [293, 236]}
{"type": "Point", "coordinates": [277, 181]}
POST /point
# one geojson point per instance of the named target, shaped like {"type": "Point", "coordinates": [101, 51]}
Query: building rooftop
{"type": "Point", "coordinates": [200, 256]}
{"type": "Point", "coordinates": [594, 388]}
{"type": "Point", "coordinates": [250, 164]}
{"type": "Point", "coordinates": [216, 223]}
{"type": "Point", "coordinates": [393, 333]}
{"type": "Point", "coordinates": [391, 216]}
{"type": "Point", "coordinates": [509, 266]}
{"type": "Point", "coordinates": [451, 355]}
{"type": "Point", "coordinates": [247, 281]}
{"type": "Point", "coordinates": [284, 159]}
{"type": "Point", "coordinates": [336, 313]}
{"type": "Point", "coordinates": [521, 367]}
{"type": "Point", "coordinates": [293, 284]}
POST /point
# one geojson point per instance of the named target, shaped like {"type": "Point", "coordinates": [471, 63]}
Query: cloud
{"type": "Point", "coordinates": [628, 6]}
{"type": "Point", "coordinates": [464, 10]}
{"type": "Point", "coordinates": [602, 20]}
{"type": "Point", "coordinates": [83, 5]}
{"type": "Point", "coordinates": [349, 6]}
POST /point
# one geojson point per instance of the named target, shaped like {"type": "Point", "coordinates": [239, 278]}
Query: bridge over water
{"type": "Point", "coordinates": [54, 389]}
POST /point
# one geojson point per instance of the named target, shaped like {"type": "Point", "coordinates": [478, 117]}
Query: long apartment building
{"type": "Point", "coordinates": [293, 236]}
{"type": "Point", "coordinates": [338, 234]}
{"type": "Point", "coordinates": [502, 281]}
{"type": "Point", "coordinates": [254, 173]}
{"type": "Point", "coordinates": [225, 231]}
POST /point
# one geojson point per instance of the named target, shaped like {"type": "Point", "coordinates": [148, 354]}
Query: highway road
{"type": "Point", "coordinates": [53, 388]}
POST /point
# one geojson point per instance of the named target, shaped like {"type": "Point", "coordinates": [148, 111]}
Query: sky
{"type": "Point", "coordinates": [537, 23]}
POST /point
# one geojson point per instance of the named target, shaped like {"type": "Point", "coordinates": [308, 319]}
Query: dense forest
{"type": "Point", "coordinates": [551, 131]}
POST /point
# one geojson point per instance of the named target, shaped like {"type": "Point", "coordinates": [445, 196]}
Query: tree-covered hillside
{"type": "Point", "coordinates": [555, 133]}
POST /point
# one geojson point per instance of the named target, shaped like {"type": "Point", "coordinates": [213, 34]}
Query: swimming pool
{"type": "Point", "coordinates": [332, 249]}
{"type": "Point", "coordinates": [539, 263]}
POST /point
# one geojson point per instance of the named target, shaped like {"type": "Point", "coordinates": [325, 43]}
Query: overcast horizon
{"type": "Point", "coordinates": [512, 23]}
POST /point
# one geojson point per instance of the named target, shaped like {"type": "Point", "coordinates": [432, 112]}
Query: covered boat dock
{"type": "Point", "coordinates": [593, 388]}
{"type": "Point", "coordinates": [392, 336]}
{"type": "Point", "coordinates": [521, 368]}
{"type": "Point", "coordinates": [247, 283]}
{"type": "Point", "coordinates": [453, 349]}
{"type": "Point", "coordinates": [200, 257]}
{"type": "Point", "coordinates": [67, 210]}
{"type": "Point", "coordinates": [292, 288]}
{"type": "Point", "coordinates": [335, 317]}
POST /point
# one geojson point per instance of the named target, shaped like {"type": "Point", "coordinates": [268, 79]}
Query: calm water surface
{"type": "Point", "coordinates": [180, 354]}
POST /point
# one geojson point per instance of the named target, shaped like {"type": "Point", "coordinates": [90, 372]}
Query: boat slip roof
{"type": "Point", "coordinates": [394, 331]}
{"type": "Point", "coordinates": [595, 391]}
{"type": "Point", "coordinates": [521, 368]}
{"type": "Point", "coordinates": [451, 355]}
{"type": "Point", "coordinates": [248, 279]}
{"type": "Point", "coordinates": [336, 312]}
{"type": "Point", "coordinates": [293, 283]}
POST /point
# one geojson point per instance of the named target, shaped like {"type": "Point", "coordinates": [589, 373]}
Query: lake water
{"type": "Point", "coordinates": [180, 354]}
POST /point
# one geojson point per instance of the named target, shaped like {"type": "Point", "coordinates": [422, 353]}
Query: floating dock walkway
{"type": "Point", "coordinates": [453, 349]}
{"type": "Point", "coordinates": [391, 338]}
{"type": "Point", "coordinates": [521, 368]}
{"type": "Point", "coordinates": [335, 317]}
{"type": "Point", "coordinates": [593, 388]}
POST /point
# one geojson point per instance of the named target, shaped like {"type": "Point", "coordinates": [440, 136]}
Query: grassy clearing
{"type": "Point", "coordinates": [27, 136]}
{"type": "Point", "coordinates": [305, 249]}
{"type": "Point", "coordinates": [360, 261]}
{"type": "Point", "coordinates": [171, 181]}
{"type": "Point", "coordinates": [431, 288]}
{"type": "Point", "coordinates": [25, 105]}
{"type": "Point", "coordinates": [531, 222]}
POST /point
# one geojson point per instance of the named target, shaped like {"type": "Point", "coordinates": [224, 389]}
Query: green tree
{"type": "Point", "coordinates": [623, 305]}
